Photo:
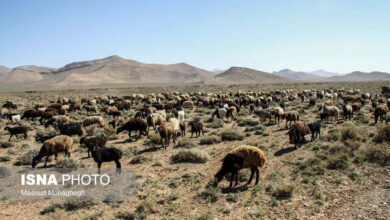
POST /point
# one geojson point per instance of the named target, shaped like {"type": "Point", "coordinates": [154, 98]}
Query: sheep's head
{"type": "Point", "coordinates": [230, 164]}
{"type": "Point", "coordinates": [119, 130]}
{"type": "Point", "coordinates": [7, 128]}
{"type": "Point", "coordinates": [157, 129]}
{"type": "Point", "coordinates": [35, 161]}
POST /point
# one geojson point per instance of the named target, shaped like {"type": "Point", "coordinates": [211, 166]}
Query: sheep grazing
{"type": "Point", "coordinates": [115, 114]}
{"type": "Point", "coordinates": [347, 112]}
{"type": "Point", "coordinates": [221, 113]}
{"type": "Point", "coordinates": [332, 111]}
{"type": "Point", "coordinates": [17, 130]}
{"type": "Point", "coordinates": [166, 131]}
{"type": "Point", "coordinates": [241, 158]}
{"type": "Point", "coordinates": [290, 117]}
{"type": "Point", "coordinates": [231, 112]}
{"type": "Point", "coordinates": [110, 110]}
{"type": "Point", "coordinates": [109, 154]}
{"type": "Point", "coordinates": [381, 112]}
{"type": "Point", "coordinates": [324, 116]}
{"type": "Point", "coordinates": [91, 142]}
{"type": "Point", "coordinates": [90, 109]}
{"type": "Point", "coordinates": [91, 120]}
{"type": "Point", "coordinates": [297, 133]}
{"type": "Point", "coordinates": [47, 116]}
{"type": "Point", "coordinates": [315, 129]}
{"type": "Point", "coordinates": [55, 145]}
{"type": "Point", "coordinates": [135, 124]}
{"type": "Point", "coordinates": [9, 105]}
{"type": "Point", "coordinates": [263, 114]}
{"type": "Point", "coordinates": [32, 114]}
{"type": "Point", "coordinates": [70, 129]}
{"type": "Point", "coordinates": [152, 121]}
{"type": "Point", "coordinates": [57, 120]}
{"type": "Point", "coordinates": [277, 112]}
{"type": "Point", "coordinates": [42, 137]}
{"type": "Point", "coordinates": [196, 127]}
{"type": "Point", "coordinates": [356, 106]}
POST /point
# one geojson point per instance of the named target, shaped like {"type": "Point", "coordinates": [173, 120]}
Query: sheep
{"type": "Point", "coordinates": [356, 107]}
{"type": "Point", "coordinates": [381, 112]}
{"type": "Point", "coordinates": [115, 114]}
{"type": "Point", "coordinates": [175, 123]}
{"type": "Point", "coordinates": [221, 113]}
{"type": "Point", "coordinates": [290, 117]}
{"type": "Point", "coordinates": [17, 130]}
{"type": "Point", "coordinates": [57, 119]}
{"type": "Point", "coordinates": [188, 104]}
{"type": "Point", "coordinates": [347, 112]}
{"type": "Point", "coordinates": [15, 118]}
{"type": "Point", "coordinates": [32, 114]}
{"type": "Point", "coordinates": [9, 105]}
{"type": "Point", "coordinates": [315, 129]}
{"type": "Point", "coordinates": [182, 129]}
{"type": "Point", "coordinates": [91, 142]}
{"type": "Point", "coordinates": [3, 112]}
{"type": "Point", "coordinates": [47, 116]}
{"type": "Point", "coordinates": [110, 110]}
{"type": "Point", "coordinates": [71, 129]}
{"type": "Point", "coordinates": [263, 114]}
{"type": "Point", "coordinates": [166, 131]}
{"type": "Point", "coordinates": [332, 111]}
{"type": "Point", "coordinates": [180, 116]}
{"type": "Point", "coordinates": [231, 112]}
{"type": "Point", "coordinates": [324, 116]}
{"type": "Point", "coordinates": [118, 122]}
{"type": "Point", "coordinates": [42, 137]}
{"type": "Point", "coordinates": [297, 133]}
{"type": "Point", "coordinates": [196, 127]}
{"type": "Point", "coordinates": [55, 145]}
{"type": "Point", "coordinates": [135, 124]}
{"type": "Point", "coordinates": [240, 158]}
{"type": "Point", "coordinates": [91, 109]}
{"type": "Point", "coordinates": [101, 155]}
{"type": "Point", "coordinates": [93, 120]}
{"type": "Point", "coordinates": [277, 112]}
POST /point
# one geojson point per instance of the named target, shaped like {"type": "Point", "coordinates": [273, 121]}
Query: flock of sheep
{"type": "Point", "coordinates": [164, 113]}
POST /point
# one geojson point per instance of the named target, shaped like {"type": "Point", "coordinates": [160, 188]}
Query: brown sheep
{"type": "Point", "coordinates": [277, 112]}
{"type": "Point", "coordinates": [17, 130]}
{"type": "Point", "coordinates": [91, 120]}
{"type": "Point", "coordinates": [240, 158]}
{"type": "Point", "coordinates": [290, 117]}
{"type": "Point", "coordinates": [356, 107]}
{"type": "Point", "coordinates": [166, 131]}
{"type": "Point", "coordinates": [231, 112]}
{"type": "Point", "coordinates": [61, 143]}
{"type": "Point", "coordinates": [297, 133]}
{"type": "Point", "coordinates": [381, 112]}
{"type": "Point", "coordinates": [135, 124]}
{"type": "Point", "coordinates": [91, 142]}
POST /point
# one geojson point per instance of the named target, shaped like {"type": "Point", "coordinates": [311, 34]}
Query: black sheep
{"type": "Point", "coordinates": [324, 116]}
{"type": "Point", "coordinates": [71, 129]}
{"type": "Point", "coordinates": [196, 127]}
{"type": "Point", "coordinates": [101, 155]}
{"type": "Point", "coordinates": [91, 142]}
{"type": "Point", "coordinates": [17, 130]}
{"type": "Point", "coordinates": [315, 129]}
{"type": "Point", "coordinates": [135, 124]}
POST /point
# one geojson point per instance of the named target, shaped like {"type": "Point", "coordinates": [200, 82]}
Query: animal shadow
{"type": "Point", "coordinates": [284, 151]}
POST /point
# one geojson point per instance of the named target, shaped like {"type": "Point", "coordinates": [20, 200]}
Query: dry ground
{"type": "Point", "coordinates": [290, 186]}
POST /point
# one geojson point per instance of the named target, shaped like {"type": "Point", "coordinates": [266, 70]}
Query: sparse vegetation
{"type": "Point", "coordinates": [193, 155]}
{"type": "Point", "coordinates": [231, 135]}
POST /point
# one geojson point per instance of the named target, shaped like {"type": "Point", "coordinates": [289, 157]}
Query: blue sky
{"type": "Point", "coordinates": [336, 35]}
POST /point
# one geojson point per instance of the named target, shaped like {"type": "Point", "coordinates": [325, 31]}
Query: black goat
{"type": "Point", "coordinates": [315, 129]}
{"type": "Point", "coordinates": [101, 155]}
{"type": "Point", "coordinates": [71, 129]}
{"type": "Point", "coordinates": [196, 127]}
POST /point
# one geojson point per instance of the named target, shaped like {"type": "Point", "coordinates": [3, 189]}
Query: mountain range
{"type": "Point", "coordinates": [117, 70]}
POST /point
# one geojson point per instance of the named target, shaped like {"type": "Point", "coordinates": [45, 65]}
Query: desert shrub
{"type": "Point", "coordinates": [6, 144]}
{"type": "Point", "coordinates": [68, 206]}
{"type": "Point", "coordinates": [350, 133]}
{"type": "Point", "coordinates": [312, 167]}
{"type": "Point", "coordinates": [211, 194]}
{"type": "Point", "coordinates": [27, 156]}
{"type": "Point", "coordinates": [124, 215]}
{"type": "Point", "coordinates": [248, 122]}
{"type": "Point", "coordinates": [4, 172]}
{"type": "Point", "coordinates": [338, 162]}
{"type": "Point", "coordinates": [145, 208]}
{"type": "Point", "coordinates": [354, 176]}
{"type": "Point", "coordinates": [377, 153]}
{"type": "Point", "coordinates": [185, 143]}
{"type": "Point", "coordinates": [209, 140]}
{"type": "Point", "coordinates": [51, 208]}
{"type": "Point", "coordinates": [231, 134]}
{"type": "Point", "coordinates": [69, 163]}
{"type": "Point", "coordinates": [333, 135]}
{"type": "Point", "coordinates": [153, 139]}
{"type": "Point", "coordinates": [193, 155]}
{"type": "Point", "coordinates": [138, 159]}
{"type": "Point", "coordinates": [383, 134]}
{"type": "Point", "coordinates": [283, 191]}
{"type": "Point", "coordinates": [214, 123]}
{"type": "Point", "coordinates": [95, 216]}
{"type": "Point", "coordinates": [5, 158]}
{"type": "Point", "coordinates": [206, 216]}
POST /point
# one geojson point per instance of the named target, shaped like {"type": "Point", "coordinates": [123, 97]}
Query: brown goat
{"type": "Point", "coordinates": [381, 112]}
{"type": "Point", "coordinates": [356, 107]}
{"type": "Point", "coordinates": [297, 133]}
{"type": "Point", "coordinates": [166, 131]}
{"type": "Point", "coordinates": [91, 142]}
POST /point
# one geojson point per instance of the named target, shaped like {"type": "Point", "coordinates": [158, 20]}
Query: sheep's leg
{"type": "Point", "coordinates": [25, 135]}
{"type": "Point", "coordinates": [231, 180]}
{"type": "Point", "coordinates": [99, 165]}
{"type": "Point", "coordinates": [252, 174]}
{"type": "Point", "coordinates": [257, 175]}
{"type": "Point", "coordinates": [236, 178]}
{"type": "Point", "coordinates": [10, 137]}
{"type": "Point", "coordinates": [202, 132]}
{"type": "Point", "coordinates": [118, 166]}
{"type": "Point", "coordinates": [47, 158]}
{"type": "Point", "coordinates": [130, 136]}
{"type": "Point", "coordinates": [139, 135]}
{"type": "Point", "coordinates": [192, 133]}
